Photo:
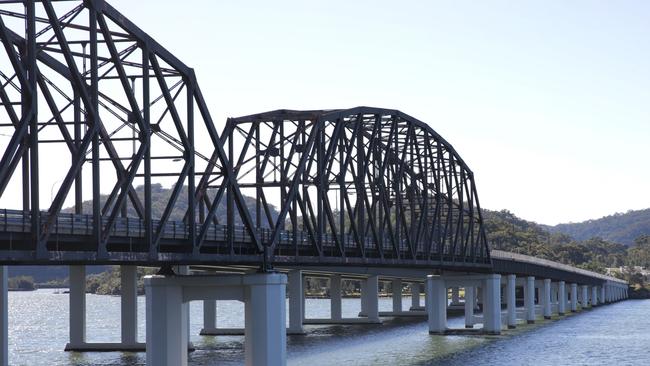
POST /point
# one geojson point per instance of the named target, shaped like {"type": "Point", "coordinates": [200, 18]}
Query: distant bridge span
{"type": "Point", "coordinates": [90, 104]}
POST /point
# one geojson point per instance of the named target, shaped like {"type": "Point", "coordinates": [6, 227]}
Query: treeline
{"type": "Point", "coordinates": [623, 228]}
{"type": "Point", "coordinates": [506, 231]}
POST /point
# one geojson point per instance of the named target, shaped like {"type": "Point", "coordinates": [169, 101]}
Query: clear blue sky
{"type": "Point", "coordinates": [547, 101]}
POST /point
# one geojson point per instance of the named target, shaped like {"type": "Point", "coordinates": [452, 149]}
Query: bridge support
{"type": "Point", "coordinates": [396, 288]}
{"type": "Point", "coordinates": [574, 297]}
{"type": "Point", "coordinates": [529, 299]}
{"type": "Point", "coordinates": [594, 296]}
{"type": "Point", "coordinates": [436, 304]}
{"type": "Point", "coordinates": [4, 317]}
{"type": "Point", "coordinates": [546, 298]}
{"type": "Point", "coordinates": [336, 312]}
{"type": "Point", "coordinates": [128, 310]}
{"type": "Point", "coordinates": [602, 295]}
{"type": "Point", "coordinates": [511, 301]}
{"type": "Point", "coordinates": [77, 293]}
{"type": "Point", "coordinates": [492, 304]}
{"type": "Point", "coordinates": [584, 299]}
{"type": "Point", "coordinates": [370, 298]}
{"type": "Point", "coordinates": [415, 296]}
{"type": "Point", "coordinates": [296, 301]}
{"type": "Point", "coordinates": [561, 303]}
{"type": "Point", "coordinates": [265, 313]}
{"type": "Point", "coordinates": [470, 302]}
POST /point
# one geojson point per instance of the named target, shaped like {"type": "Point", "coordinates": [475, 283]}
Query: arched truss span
{"type": "Point", "coordinates": [366, 183]}
{"type": "Point", "coordinates": [85, 91]}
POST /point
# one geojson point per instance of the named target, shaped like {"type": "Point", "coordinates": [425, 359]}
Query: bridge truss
{"type": "Point", "coordinates": [89, 96]}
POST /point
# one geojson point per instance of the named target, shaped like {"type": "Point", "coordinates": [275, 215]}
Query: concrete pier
{"type": "Point", "coordinates": [415, 296]}
{"type": "Point", "coordinates": [470, 301]}
{"type": "Point", "coordinates": [511, 304]}
{"type": "Point", "coordinates": [370, 298]}
{"type": "Point", "coordinates": [436, 305]}
{"type": "Point", "coordinates": [594, 295]}
{"type": "Point", "coordinates": [529, 299]}
{"type": "Point", "coordinates": [129, 305]}
{"type": "Point", "coordinates": [546, 298]}
{"type": "Point", "coordinates": [574, 297]}
{"type": "Point", "coordinates": [296, 295]}
{"type": "Point", "coordinates": [561, 303]}
{"type": "Point", "coordinates": [492, 304]}
{"type": "Point", "coordinates": [396, 288]}
{"type": "Point", "coordinates": [265, 314]}
{"type": "Point", "coordinates": [335, 297]}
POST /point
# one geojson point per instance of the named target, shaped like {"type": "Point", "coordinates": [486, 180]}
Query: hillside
{"type": "Point", "coordinates": [621, 228]}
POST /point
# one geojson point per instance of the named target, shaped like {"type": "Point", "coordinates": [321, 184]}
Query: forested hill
{"type": "Point", "coordinates": [621, 228]}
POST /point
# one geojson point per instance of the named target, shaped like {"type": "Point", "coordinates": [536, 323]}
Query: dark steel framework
{"type": "Point", "coordinates": [83, 83]}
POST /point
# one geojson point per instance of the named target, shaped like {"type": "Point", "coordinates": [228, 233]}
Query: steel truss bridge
{"type": "Point", "coordinates": [86, 92]}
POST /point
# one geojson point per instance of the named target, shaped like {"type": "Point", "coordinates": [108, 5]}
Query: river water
{"type": "Point", "coordinates": [616, 334]}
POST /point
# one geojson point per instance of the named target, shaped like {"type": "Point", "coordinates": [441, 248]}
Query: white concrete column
{"type": "Point", "coordinates": [166, 338]}
{"type": "Point", "coordinates": [364, 299]}
{"type": "Point", "coordinates": [546, 298]}
{"type": "Point", "coordinates": [265, 336]}
{"type": "Point", "coordinates": [397, 295]}
{"type": "Point", "coordinates": [4, 317]}
{"type": "Point", "coordinates": [129, 304]}
{"type": "Point", "coordinates": [511, 301]}
{"type": "Point", "coordinates": [296, 295]}
{"type": "Point", "coordinates": [574, 297]}
{"type": "Point", "coordinates": [415, 296]}
{"type": "Point", "coordinates": [602, 294]}
{"type": "Point", "coordinates": [335, 297]}
{"type": "Point", "coordinates": [209, 314]}
{"type": "Point", "coordinates": [594, 295]}
{"type": "Point", "coordinates": [584, 299]}
{"type": "Point", "coordinates": [561, 306]}
{"type": "Point", "coordinates": [77, 280]}
{"type": "Point", "coordinates": [436, 304]}
{"type": "Point", "coordinates": [185, 270]}
{"type": "Point", "coordinates": [492, 304]}
{"type": "Point", "coordinates": [371, 295]}
{"type": "Point", "coordinates": [470, 302]}
{"type": "Point", "coordinates": [529, 299]}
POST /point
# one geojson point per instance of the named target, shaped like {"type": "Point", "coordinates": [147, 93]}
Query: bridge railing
{"type": "Point", "coordinates": [288, 241]}
{"type": "Point", "coordinates": [500, 254]}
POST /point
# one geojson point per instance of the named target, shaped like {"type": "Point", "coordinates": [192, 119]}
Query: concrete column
{"type": "Point", "coordinates": [296, 295]}
{"type": "Point", "coordinates": [561, 306]}
{"type": "Point", "coordinates": [4, 317]}
{"type": "Point", "coordinates": [129, 304]}
{"type": "Point", "coordinates": [470, 302]}
{"type": "Point", "coordinates": [265, 336]}
{"type": "Point", "coordinates": [415, 296]}
{"type": "Point", "coordinates": [166, 338]}
{"type": "Point", "coordinates": [77, 280]}
{"type": "Point", "coordinates": [529, 299]}
{"type": "Point", "coordinates": [455, 298]}
{"type": "Point", "coordinates": [185, 271]}
{"type": "Point", "coordinates": [335, 297]}
{"type": "Point", "coordinates": [397, 295]}
{"type": "Point", "coordinates": [364, 299]}
{"type": "Point", "coordinates": [602, 294]}
{"type": "Point", "coordinates": [594, 295]}
{"type": "Point", "coordinates": [304, 295]}
{"type": "Point", "coordinates": [546, 298]}
{"type": "Point", "coordinates": [209, 314]}
{"type": "Point", "coordinates": [371, 295]}
{"type": "Point", "coordinates": [436, 305]}
{"type": "Point", "coordinates": [511, 301]}
{"type": "Point", "coordinates": [584, 299]}
{"type": "Point", "coordinates": [492, 304]}
{"type": "Point", "coordinates": [574, 297]}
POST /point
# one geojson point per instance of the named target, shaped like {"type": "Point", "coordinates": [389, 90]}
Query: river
{"type": "Point", "coordinates": [616, 334]}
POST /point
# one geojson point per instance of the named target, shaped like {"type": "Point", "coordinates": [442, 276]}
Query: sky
{"type": "Point", "coordinates": [546, 101]}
